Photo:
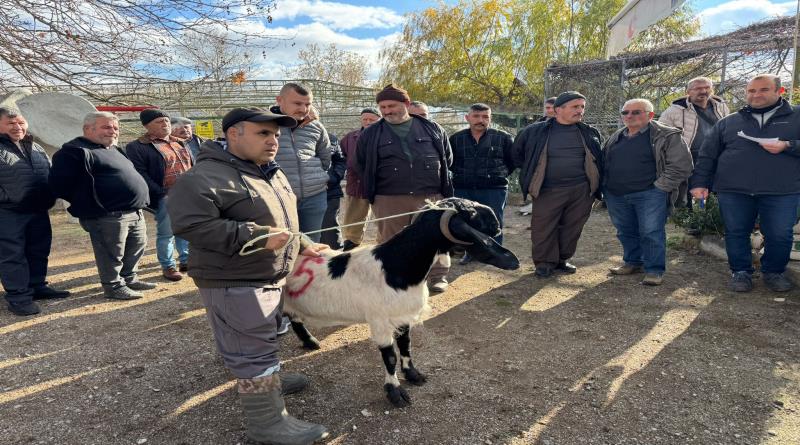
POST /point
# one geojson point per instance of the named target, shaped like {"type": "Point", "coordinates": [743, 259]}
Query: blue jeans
{"type": "Point", "coordinates": [493, 198]}
{"type": "Point", "coordinates": [310, 211]}
{"type": "Point", "coordinates": [640, 219]}
{"type": "Point", "coordinates": [166, 243]}
{"type": "Point", "coordinates": [777, 216]}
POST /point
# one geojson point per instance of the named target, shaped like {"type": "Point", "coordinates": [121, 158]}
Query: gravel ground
{"type": "Point", "coordinates": [511, 359]}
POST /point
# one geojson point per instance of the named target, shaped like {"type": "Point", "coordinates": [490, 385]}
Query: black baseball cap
{"type": "Point", "coordinates": [255, 114]}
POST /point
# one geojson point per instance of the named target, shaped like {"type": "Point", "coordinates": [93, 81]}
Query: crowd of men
{"type": "Point", "coordinates": [278, 170]}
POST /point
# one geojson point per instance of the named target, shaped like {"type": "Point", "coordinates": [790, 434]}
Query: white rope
{"type": "Point", "coordinates": [429, 206]}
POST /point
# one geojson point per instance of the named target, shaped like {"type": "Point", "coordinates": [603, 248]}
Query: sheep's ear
{"type": "Point", "coordinates": [483, 248]}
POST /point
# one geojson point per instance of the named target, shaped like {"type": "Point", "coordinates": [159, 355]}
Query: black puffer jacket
{"type": "Point", "coordinates": [23, 177]}
{"type": "Point", "coordinates": [485, 165]}
{"type": "Point", "coordinates": [730, 163]}
{"type": "Point", "coordinates": [336, 172]}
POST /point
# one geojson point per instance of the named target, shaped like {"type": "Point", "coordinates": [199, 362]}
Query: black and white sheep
{"type": "Point", "coordinates": [385, 285]}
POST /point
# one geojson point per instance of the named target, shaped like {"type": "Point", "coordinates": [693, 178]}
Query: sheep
{"type": "Point", "coordinates": [385, 285]}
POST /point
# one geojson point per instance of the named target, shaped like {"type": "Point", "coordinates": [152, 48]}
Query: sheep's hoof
{"type": "Point", "coordinates": [397, 395]}
{"type": "Point", "coordinates": [311, 344]}
{"type": "Point", "coordinates": [415, 377]}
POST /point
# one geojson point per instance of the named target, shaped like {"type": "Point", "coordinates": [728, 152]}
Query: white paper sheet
{"type": "Point", "coordinates": [756, 140]}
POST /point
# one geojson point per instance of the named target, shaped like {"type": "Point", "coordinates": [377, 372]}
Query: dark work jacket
{"type": "Point", "coordinates": [378, 139]}
{"type": "Point", "coordinates": [485, 165]}
{"type": "Point", "coordinates": [336, 172]}
{"type": "Point", "coordinates": [348, 144]}
{"type": "Point", "coordinates": [730, 163]}
{"type": "Point", "coordinates": [149, 162]}
{"type": "Point", "coordinates": [532, 139]}
{"type": "Point", "coordinates": [96, 180]}
{"type": "Point", "coordinates": [23, 176]}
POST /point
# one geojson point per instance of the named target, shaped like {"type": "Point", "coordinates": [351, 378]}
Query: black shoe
{"type": "Point", "coordinates": [544, 271]}
{"type": "Point", "coordinates": [566, 267]}
{"type": "Point", "coordinates": [183, 267]}
{"type": "Point", "coordinates": [777, 282]}
{"type": "Point", "coordinates": [47, 292]}
{"type": "Point", "coordinates": [348, 245]}
{"type": "Point", "coordinates": [24, 309]}
{"type": "Point", "coordinates": [284, 327]}
{"type": "Point", "coordinates": [122, 293]}
{"type": "Point", "coordinates": [741, 282]}
{"type": "Point", "coordinates": [141, 285]}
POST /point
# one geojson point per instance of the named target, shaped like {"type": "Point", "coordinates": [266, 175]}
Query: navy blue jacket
{"type": "Point", "coordinates": [336, 171]}
{"type": "Point", "coordinates": [730, 163]}
{"type": "Point", "coordinates": [149, 162]}
{"type": "Point", "coordinates": [23, 176]}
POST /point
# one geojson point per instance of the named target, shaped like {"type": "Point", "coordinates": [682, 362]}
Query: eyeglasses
{"type": "Point", "coordinates": [632, 112]}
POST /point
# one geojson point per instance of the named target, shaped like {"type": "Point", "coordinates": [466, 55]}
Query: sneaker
{"type": "Point", "coordinates": [651, 279]}
{"type": "Point", "coordinates": [566, 267]}
{"type": "Point", "coordinates": [24, 309]}
{"type": "Point", "coordinates": [284, 327]}
{"type": "Point", "coordinates": [777, 282]}
{"type": "Point", "coordinates": [47, 292]}
{"type": "Point", "coordinates": [122, 293]}
{"type": "Point", "coordinates": [141, 285]}
{"type": "Point", "coordinates": [172, 274]}
{"type": "Point", "coordinates": [466, 259]}
{"type": "Point", "coordinates": [741, 282]}
{"type": "Point", "coordinates": [626, 269]}
{"type": "Point", "coordinates": [183, 267]}
{"type": "Point", "coordinates": [438, 286]}
{"type": "Point", "coordinates": [544, 271]}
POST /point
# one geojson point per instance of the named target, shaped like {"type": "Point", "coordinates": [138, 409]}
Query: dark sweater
{"type": "Point", "coordinates": [96, 180]}
{"type": "Point", "coordinates": [630, 165]}
{"type": "Point", "coordinates": [565, 157]}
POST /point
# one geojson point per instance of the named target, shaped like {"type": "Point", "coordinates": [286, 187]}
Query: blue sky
{"type": "Point", "coordinates": [366, 26]}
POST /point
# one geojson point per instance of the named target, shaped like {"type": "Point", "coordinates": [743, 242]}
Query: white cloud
{"type": "Point", "coordinates": [281, 53]}
{"type": "Point", "coordinates": [338, 16]}
{"type": "Point", "coordinates": [729, 16]}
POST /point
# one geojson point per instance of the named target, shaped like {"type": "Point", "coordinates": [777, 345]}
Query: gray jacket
{"type": "Point", "coordinates": [673, 160]}
{"type": "Point", "coordinates": [304, 155]}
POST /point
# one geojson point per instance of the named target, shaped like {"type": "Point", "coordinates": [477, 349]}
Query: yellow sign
{"type": "Point", "coordinates": [204, 129]}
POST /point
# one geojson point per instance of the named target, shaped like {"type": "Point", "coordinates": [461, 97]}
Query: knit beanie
{"type": "Point", "coordinates": [150, 114]}
{"type": "Point", "coordinates": [371, 110]}
{"type": "Point", "coordinates": [567, 96]}
{"type": "Point", "coordinates": [392, 92]}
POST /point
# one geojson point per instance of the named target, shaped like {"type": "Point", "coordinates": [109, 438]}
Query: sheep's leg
{"type": "Point", "coordinates": [394, 392]}
{"type": "Point", "coordinates": [309, 341]}
{"type": "Point", "coordinates": [411, 373]}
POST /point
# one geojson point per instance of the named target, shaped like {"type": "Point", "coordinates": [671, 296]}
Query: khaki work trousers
{"type": "Point", "coordinates": [356, 210]}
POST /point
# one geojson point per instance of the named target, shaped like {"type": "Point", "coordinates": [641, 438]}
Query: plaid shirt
{"type": "Point", "coordinates": [177, 160]}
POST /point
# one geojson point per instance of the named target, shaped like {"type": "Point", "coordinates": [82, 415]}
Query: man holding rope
{"type": "Point", "coordinates": [234, 194]}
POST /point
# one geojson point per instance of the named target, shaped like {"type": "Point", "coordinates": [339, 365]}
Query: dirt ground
{"type": "Point", "coordinates": [511, 359]}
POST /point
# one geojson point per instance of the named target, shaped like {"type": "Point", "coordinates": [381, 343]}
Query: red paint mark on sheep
{"type": "Point", "coordinates": [303, 270]}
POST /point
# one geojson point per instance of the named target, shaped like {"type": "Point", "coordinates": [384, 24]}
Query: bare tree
{"type": "Point", "coordinates": [215, 55]}
{"type": "Point", "coordinates": [81, 42]}
{"type": "Point", "coordinates": [330, 64]}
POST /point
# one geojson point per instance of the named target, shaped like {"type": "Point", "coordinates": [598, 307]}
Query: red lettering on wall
{"type": "Point", "coordinates": [303, 270]}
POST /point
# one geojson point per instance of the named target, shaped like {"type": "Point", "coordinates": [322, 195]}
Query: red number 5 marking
{"type": "Point", "coordinates": [302, 270]}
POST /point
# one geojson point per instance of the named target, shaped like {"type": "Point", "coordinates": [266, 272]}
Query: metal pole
{"type": "Point", "coordinates": [796, 59]}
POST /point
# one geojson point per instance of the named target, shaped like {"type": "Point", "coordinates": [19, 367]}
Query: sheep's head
{"type": "Point", "coordinates": [473, 225]}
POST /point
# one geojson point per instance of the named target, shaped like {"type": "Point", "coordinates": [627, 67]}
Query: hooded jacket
{"type": "Point", "coordinates": [730, 163]}
{"type": "Point", "coordinates": [223, 202]}
{"type": "Point", "coordinates": [673, 160]}
{"type": "Point", "coordinates": [682, 115]}
{"type": "Point", "coordinates": [304, 154]}
{"type": "Point", "coordinates": [23, 176]}
{"type": "Point", "coordinates": [96, 180]}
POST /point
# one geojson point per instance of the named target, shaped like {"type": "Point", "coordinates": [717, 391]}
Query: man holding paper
{"type": "Point", "coordinates": [751, 160]}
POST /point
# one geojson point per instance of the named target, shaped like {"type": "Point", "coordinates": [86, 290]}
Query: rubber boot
{"type": "Point", "coordinates": [266, 417]}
